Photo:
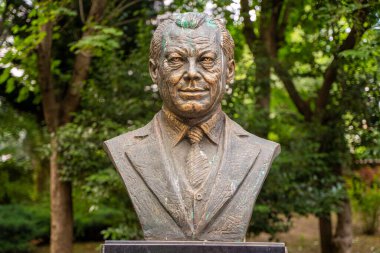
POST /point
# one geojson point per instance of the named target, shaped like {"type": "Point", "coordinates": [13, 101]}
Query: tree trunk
{"type": "Point", "coordinates": [261, 57]}
{"type": "Point", "coordinates": [61, 234]}
{"type": "Point", "coordinates": [262, 90]}
{"type": "Point", "coordinates": [61, 230]}
{"type": "Point", "coordinates": [343, 235]}
{"type": "Point", "coordinates": [274, 24]}
{"type": "Point", "coordinates": [56, 114]}
{"type": "Point", "coordinates": [325, 234]}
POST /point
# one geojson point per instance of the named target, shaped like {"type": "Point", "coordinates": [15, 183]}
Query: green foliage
{"type": "Point", "coordinates": [105, 188]}
{"type": "Point", "coordinates": [19, 135]}
{"type": "Point", "coordinates": [364, 191]}
{"type": "Point", "coordinates": [123, 232]}
{"type": "Point", "coordinates": [15, 181]}
{"type": "Point", "coordinates": [88, 225]}
{"type": "Point", "coordinates": [119, 96]}
{"type": "Point", "coordinates": [104, 40]}
{"type": "Point", "coordinates": [20, 55]}
{"type": "Point", "coordinates": [362, 119]}
{"type": "Point", "coordinates": [300, 181]}
{"type": "Point", "coordinates": [19, 225]}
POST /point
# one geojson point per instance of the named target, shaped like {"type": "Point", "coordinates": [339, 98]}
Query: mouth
{"type": "Point", "coordinates": [193, 93]}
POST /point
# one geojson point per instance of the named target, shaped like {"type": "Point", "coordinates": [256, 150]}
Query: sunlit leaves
{"type": "Point", "coordinates": [4, 76]}
{"type": "Point", "coordinates": [104, 39]}
{"type": "Point", "coordinates": [20, 53]}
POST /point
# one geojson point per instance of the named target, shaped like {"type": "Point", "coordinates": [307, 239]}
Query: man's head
{"type": "Point", "coordinates": [191, 60]}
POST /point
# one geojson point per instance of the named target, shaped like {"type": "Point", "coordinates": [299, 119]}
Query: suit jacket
{"type": "Point", "coordinates": [156, 191]}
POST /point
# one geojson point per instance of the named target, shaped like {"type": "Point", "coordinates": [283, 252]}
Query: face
{"type": "Point", "coordinates": [192, 70]}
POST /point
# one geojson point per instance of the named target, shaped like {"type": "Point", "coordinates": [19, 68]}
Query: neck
{"type": "Point", "coordinates": [198, 120]}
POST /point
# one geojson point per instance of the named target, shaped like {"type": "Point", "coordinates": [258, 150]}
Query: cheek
{"type": "Point", "coordinates": [174, 79]}
{"type": "Point", "coordinates": [213, 75]}
{"type": "Point", "coordinates": [172, 76]}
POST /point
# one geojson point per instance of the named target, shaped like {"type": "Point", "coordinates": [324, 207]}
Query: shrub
{"type": "Point", "coordinates": [19, 225]}
{"type": "Point", "coordinates": [88, 226]}
{"type": "Point", "coordinates": [365, 194]}
{"type": "Point", "coordinates": [22, 224]}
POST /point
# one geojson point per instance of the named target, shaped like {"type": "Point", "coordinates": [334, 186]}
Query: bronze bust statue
{"type": "Point", "coordinates": [192, 173]}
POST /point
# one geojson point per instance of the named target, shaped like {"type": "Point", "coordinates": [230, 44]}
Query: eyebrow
{"type": "Point", "coordinates": [179, 50]}
{"type": "Point", "coordinates": [206, 51]}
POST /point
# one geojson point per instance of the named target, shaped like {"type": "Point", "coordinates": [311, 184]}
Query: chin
{"type": "Point", "coordinates": [192, 109]}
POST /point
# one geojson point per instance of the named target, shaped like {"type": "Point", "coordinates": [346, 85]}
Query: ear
{"type": "Point", "coordinates": [230, 71]}
{"type": "Point", "coordinates": [153, 70]}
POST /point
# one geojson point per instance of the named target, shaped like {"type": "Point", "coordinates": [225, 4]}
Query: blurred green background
{"type": "Point", "coordinates": [75, 73]}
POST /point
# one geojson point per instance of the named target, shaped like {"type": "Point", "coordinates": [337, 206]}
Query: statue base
{"type": "Point", "coordinates": [191, 247]}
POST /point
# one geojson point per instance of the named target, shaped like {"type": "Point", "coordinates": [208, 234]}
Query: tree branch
{"type": "Point", "coordinates": [81, 11]}
{"type": "Point", "coordinates": [302, 106]}
{"type": "Point", "coordinates": [45, 80]}
{"type": "Point", "coordinates": [350, 42]}
{"type": "Point", "coordinates": [3, 17]}
{"type": "Point", "coordinates": [269, 23]}
{"type": "Point", "coordinates": [81, 65]}
{"type": "Point", "coordinates": [282, 23]}
{"type": "Point", "coordinates": [120, 8]}
{"type": "Point", "coordinates": [248, 29]}
{"type": "Point", "coordinates": [272, 42]}
{"type": "Point", "coordinates": [3, 38]}
{"type": "Point", "coordinates": [121, 23]}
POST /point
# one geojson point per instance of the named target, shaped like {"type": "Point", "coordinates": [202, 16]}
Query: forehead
{"type": "Point", "coordinates": [203, 37]}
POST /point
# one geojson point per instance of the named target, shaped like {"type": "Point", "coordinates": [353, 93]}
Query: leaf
{"type": "Point", "coordinates": [105, 39]}
{"type": "Point", "coordinates": [356, 54]}
{"type": "Point", "coordinates": [66, 11]}
{"type": "Point", "coordinates": [23, 95]}
{"type": "Point", "coordinates": [33, 13]}
{"type": "Point", "coordinates": [4, 76]}
{"type": "Point", "coordinates": [10, 85]}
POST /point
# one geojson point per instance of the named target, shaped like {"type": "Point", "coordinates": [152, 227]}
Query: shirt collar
{"type": "Point", "coordinates": [212, 127]}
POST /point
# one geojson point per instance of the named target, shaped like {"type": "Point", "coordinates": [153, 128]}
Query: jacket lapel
{"type": "Point", "coordinates": [237, 160]}
{"type": "Point", "coordinates": [149, 159]}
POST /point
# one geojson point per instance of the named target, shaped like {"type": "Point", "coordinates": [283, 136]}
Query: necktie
{"type": "Point", "coordinates": [197, 165]}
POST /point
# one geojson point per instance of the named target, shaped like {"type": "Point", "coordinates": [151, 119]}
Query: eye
{"type": "Point", "coordinates": [207, 60]}
{"type": "Point", "coordinates": [176, 60]}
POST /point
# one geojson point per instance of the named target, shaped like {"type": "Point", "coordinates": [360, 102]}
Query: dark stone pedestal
{"type": "Point", "coordinates": [191, 247]}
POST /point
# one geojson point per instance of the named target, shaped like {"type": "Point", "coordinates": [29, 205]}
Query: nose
{"type": "Point", "coordinates": [192, 73]}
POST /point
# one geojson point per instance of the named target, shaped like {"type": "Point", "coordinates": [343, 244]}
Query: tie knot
{"type": "Point", "coordinates": [195, 134]}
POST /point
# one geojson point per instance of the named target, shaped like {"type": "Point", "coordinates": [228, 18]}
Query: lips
{"type": "Point", "coordinates": [193, 93]}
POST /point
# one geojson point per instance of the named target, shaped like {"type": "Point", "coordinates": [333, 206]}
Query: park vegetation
{"type": "Point", "coordinates": [75, 73]}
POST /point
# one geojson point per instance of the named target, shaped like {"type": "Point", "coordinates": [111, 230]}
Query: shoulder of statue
{"type": "Point", "coordinates": [267, 146]}
{"type": "Point", "coordinates": [121, 142]}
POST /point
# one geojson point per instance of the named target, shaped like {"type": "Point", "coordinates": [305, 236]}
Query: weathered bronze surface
{"type": "Point", "coordinates": [192, 173]}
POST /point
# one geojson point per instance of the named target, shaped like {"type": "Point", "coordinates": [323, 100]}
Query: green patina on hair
{"type": "Point", "coordinates": [186, 23]}
{"type": "Point", "coordinates": [211, 23]}
{"type": "Point", "coordinates": [163, 44]}
{"type": "Point", "coordinates": [190, 20]}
